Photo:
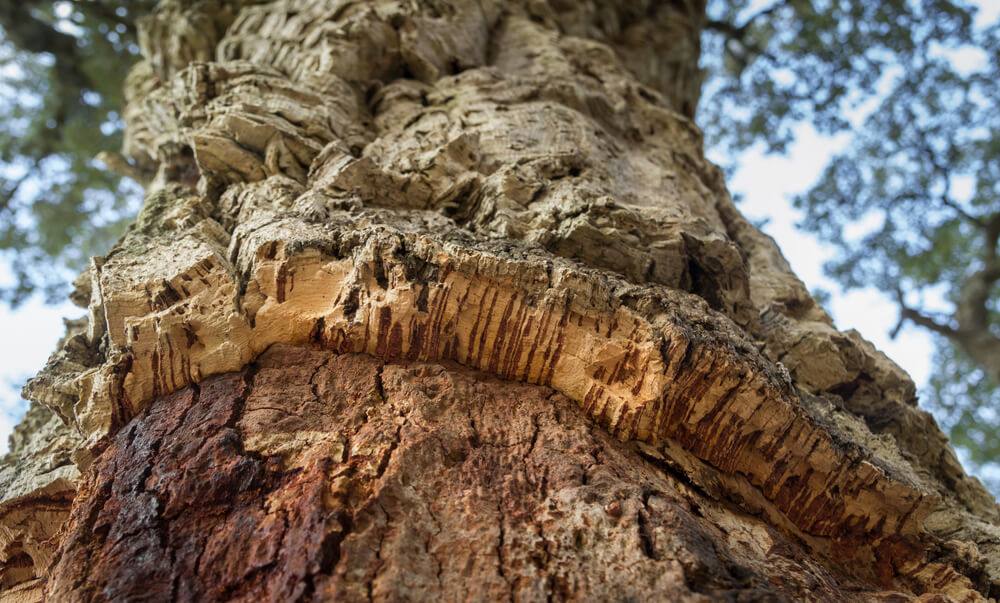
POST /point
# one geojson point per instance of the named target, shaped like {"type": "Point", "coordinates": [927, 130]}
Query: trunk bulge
{"type": "Point", "coordinates": [443, 300]}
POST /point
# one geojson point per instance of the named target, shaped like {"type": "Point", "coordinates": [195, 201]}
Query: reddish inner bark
{"type": "Point", "coordinates": [318, 475]}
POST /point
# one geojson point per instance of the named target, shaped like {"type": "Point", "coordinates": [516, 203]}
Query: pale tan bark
{"type": "Point", "coordinates": [510, 187]}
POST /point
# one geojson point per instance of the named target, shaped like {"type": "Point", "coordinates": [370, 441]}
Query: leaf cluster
{"type": "Point", "coordinates": [912, 205]}
{"type": "Point", "coordinates": [62, 66]}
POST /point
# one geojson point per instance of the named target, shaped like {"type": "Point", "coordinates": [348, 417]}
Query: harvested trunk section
{"type": "Point", "coordinates": [335, 476]}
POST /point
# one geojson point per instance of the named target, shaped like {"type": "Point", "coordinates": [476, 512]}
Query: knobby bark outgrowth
{"type": "Point", "coordinates": [441, 299]}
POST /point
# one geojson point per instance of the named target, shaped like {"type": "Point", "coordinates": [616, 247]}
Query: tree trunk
{"type": "Point", "coordinates": [441, 300]}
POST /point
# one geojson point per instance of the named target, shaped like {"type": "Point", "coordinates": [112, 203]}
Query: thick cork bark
{"type": "Point", "coordinates": [442, 299]}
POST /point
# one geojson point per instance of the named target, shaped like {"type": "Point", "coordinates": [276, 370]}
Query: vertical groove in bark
{"type": "Point", "coordinates": [515, 187]}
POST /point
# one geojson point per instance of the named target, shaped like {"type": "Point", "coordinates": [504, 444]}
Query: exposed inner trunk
{"type": "Point", "coordinates": [340, 477]}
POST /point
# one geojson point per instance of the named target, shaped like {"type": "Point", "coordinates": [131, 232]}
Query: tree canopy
{"type": "Point", "coordinates": [919, 181]}
{"type": "Point", "coordinates": [912, 206]}
{"type": "Point", "coordinates": [62, 66]}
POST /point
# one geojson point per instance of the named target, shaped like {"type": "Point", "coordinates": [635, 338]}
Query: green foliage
{"type": "Point", "coordinates": [62, 66]}
{"type": "Point", "coordinates": [912, 207]}
{"type": "Point", "coordinates": [773, 65]}
{"type": "Point", "coordinates": [967, 404]}
{"type": "Point", "coordinates": [922, 171]}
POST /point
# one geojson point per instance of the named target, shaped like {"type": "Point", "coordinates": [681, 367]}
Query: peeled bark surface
{"type": "Point", "coordinates": [442, 299]}
{"type": "Point", "coordinates": [340, 477]}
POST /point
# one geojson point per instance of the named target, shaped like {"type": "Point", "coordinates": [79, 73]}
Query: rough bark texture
{"type": "Point", "coordinates": [338, 476]}
{"type": "Point", "coordinates": [442, 299]}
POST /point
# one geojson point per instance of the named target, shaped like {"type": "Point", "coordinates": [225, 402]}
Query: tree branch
{"type": "Point", "coordinates": [925, 321]}
{"type": "Point", "coordinates": [33, 35]}
{"type": "Point", "coordinates": [945, 174]}
{"type": "Point", "coordinates": [738, 34]}
{"type": "Point", "coordinates": [973, 313]}
{"type": "Point", "coordinates": [973, 334]}
{"type": "Point", "coordinates": [30, 34]}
